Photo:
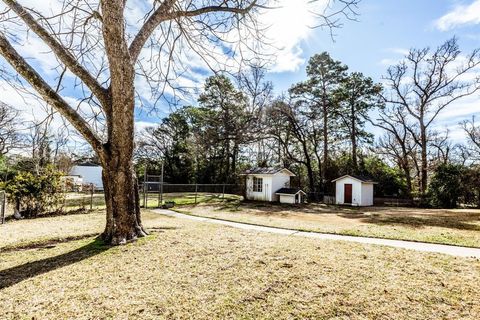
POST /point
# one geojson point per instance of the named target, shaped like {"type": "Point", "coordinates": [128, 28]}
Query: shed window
{"type": "Point", "coordinates": [257, 184]}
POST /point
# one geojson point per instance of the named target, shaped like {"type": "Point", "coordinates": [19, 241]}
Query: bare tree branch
{"type": "Point", "coordinates": [60, 51]}
{"type": "Point", "coordinates": [47, 93]}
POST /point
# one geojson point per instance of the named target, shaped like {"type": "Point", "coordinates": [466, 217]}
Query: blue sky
{"type": "Point", "coordinates": [385, 30]}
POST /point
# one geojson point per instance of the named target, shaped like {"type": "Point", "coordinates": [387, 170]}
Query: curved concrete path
{"type": "Point", "coordinates": [411, 245]}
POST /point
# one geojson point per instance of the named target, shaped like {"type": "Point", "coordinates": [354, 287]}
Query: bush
{"type": "Point", "coordinates": [446, 186]}
{"type": "Point", "coordinates": [33, 194]}
{"type": "Point", "coordinates": [471, 189]}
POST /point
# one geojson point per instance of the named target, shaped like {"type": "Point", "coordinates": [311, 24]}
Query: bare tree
{"type": "Point", "coordinates": [473, 134]}
{"type": "Point", "coordinates": [397, 144]}
{"type": "Point", "coordinates": [9, 129]}
{"type": "Point", "coordinates": [259, 93]}
{"type": "Point", "coordinates": [105, 50]}
{"type": "Point", "coordinates": [425, 83]}
{"type": "Point", "coordinates": [293, 128]}
{"type": "Point", "coordinates": [443, 149]}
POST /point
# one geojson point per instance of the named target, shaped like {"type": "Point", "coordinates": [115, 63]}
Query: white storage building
{"type": "Point", "coordinates": [354, 190]}
{"type": "Point", "coordinates": [89, 173]}
{"type": "Point", "coordinates": [263, 183]}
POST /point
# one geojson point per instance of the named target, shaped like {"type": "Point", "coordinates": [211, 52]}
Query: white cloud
{"type": "Point", "coordinates": [461, 110]}
{"type": "Point", "coordinates": [289, 25]}
{"type": "Point", "coordinates": [142, 125]}
{"type": "Point", "coordinates": [459, 16]}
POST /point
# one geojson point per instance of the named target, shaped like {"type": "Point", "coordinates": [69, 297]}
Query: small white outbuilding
{"type": "Point", "coordinates": [291, 195]}
{"type": "Point", "coordinates": [354, 190]}
{"type": "Point", "coordinates": [89, 173]}
{"type": "Point", "coordinates": [263, 183]}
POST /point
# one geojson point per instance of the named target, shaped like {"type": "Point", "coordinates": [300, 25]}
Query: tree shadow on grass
{"type": "Point", "coordinates": [14, 275]}
{"type": "Point", "coordinates": [45, 244]}
{"type": "Point", "coordinates": [461, 222]}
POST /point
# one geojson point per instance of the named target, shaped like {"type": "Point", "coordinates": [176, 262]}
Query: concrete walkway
{"type": "Point", "coordinates": [411, 245]}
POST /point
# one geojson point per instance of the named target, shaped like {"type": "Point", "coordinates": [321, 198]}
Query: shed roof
{"type": "Point", "coordinates": [356, 177]}
{"type": "Point", "coordinates": [267, 170]}
{"type": "Point", "coordinates": [292, 191]}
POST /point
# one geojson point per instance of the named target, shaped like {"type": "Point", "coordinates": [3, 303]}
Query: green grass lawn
{"type": "Point", "coordinates": [455, 227]}
{"type": "Point", "coordinates": [54, 268]}
{"type": "Point", "coordinates": [83, 200]}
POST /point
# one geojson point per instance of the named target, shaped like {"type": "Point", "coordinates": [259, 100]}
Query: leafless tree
{"type": "Point", "coordinates": [259, 93]}
{"type": "Point", "coordinates": [291, 126]}
{"type": "Point", "coordinates": [443, 148]}
{"type": "Point", "coordinates": [473, 134]}
{"type": "Point", "coordinates": [9, 129]}
{"type": "Point", "coordinates": [425, 83]}
{"type": "Point", "coordinates": [397, 144]}
{"type": "Point", "coordinates": [102, 49]}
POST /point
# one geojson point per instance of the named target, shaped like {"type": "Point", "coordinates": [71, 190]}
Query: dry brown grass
{"type": "Point", "coordinates": [456, 227]}
{"type": "Point", "coordinates": [189, 270]}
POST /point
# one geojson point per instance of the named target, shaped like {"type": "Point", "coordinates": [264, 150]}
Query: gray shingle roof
{"type": "Point", "coordinates": [289, 191]}
{"type": "Point", "coordinates": [266, 170]}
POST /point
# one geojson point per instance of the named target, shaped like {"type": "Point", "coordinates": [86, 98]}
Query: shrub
{"type": "Point", "coordinates": [33, 194]}
{"type": "Point", "coordinates": [446, 186]}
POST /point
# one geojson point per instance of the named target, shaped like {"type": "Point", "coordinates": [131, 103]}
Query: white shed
{"type": "Point", "coordinates": [291, 195]}
{"type": "Point", "coordinates": [354, 190]}
{"type": "Point", "coordinates": [89, 173]}
{"type": "Point", "coordinates": [263, 183]}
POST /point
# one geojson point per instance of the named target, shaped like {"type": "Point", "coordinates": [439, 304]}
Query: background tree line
{"type": "Point", "coordinates": [335, 122]}
{"type": "Point", "coordinates": [325, 126]}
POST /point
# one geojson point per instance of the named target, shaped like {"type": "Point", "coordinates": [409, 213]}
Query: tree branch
{"type": "Point", "coordinates": [165, 13]}
{"type": "Point", "coordinates": [48, 94]}
{"type": "Point", "coordinates": [58, 49]}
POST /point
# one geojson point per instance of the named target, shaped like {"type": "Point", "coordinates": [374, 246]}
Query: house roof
{"type": "Point", "coordinates": [292, 191]}
{"type": "Point", "coordinates": [87, 164]}
{"type": "Point", "coordinates": [267, 170]}
{"type": "Point", "coordinates": [356, 177]}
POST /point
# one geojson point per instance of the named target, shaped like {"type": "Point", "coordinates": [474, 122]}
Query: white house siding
{"type": "Point", "coordinates": [89, 174]}
{"type": "Point", "coordinates": [280, 180]}
{"type": "Point", "coordinates": [356, 191]}
{"type": "Point", "coordinates": [271, 183]}
{"type": "Point", "coordinates": [284, 198]}
{"type": "Point", "coordinates": [367, 194]}
{"type": "Point", "coordinates": [266, 194]}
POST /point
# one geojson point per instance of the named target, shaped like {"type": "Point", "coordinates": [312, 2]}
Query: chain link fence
{"type": "Point", "coordinates": [156, 194]}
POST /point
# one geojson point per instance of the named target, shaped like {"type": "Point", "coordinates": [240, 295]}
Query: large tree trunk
{"type": "Point", "coordinates": [123, 221]}
{"type": "Point", "coordinates": [308, 164]}
{"type": "Point", "coordinates": [354, 140]}
{"type": "Point", "coordinates": [121, 193]}
{"type": "Point", "coordinates": [403, 163]}
{"type": "Point", "coordinates": [424, 161]}
{"type": "Point", "coordinates": [326, 165]}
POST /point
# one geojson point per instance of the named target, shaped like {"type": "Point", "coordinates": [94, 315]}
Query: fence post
{"type": "Point", "coordinates": [4, 202]}
{"type": "Point", "coordinates": [145, 188]}
{"type": "Point", "coordinates": [161, 189]}
{"type": "Point", "coordinates": [196, 189]}
{"type": "Point", "coordinates": [223, 191]}
{"type": "Point", "coordinates": [91, 196]}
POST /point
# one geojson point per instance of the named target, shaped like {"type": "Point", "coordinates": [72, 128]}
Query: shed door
{"type": "Point", "coordinates": [347, 193]}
